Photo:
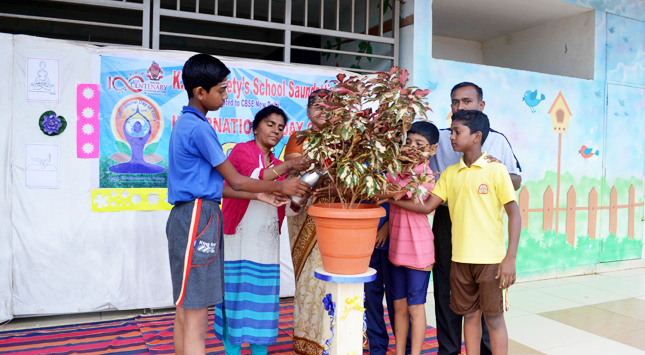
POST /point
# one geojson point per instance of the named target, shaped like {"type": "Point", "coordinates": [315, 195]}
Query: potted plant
{"type": "Point", "coordinates": [367, 118]}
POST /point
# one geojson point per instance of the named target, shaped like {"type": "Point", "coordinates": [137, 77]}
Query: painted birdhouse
{"type": "Point", "coordinates": [449, 118]}
{"type": "Point", "coordinates": [560, 114]}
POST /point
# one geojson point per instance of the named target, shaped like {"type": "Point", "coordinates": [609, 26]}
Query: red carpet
{"type": "Point", "coordinates": [157, 332]}
{"type": "Point", "coordinates": [144, 335]}
{"type": "Point", "coordinates": [114, 337]}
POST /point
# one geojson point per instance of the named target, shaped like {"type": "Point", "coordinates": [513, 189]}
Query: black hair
{"type": "Point", "coordinates": [426, 129]}
{"type": "Point", "coordinates": [480, 92]}
{"type": "Point", "coordinates": [266, 112]}
{"type": "Point", "coordinates": [476, 120]}
{"type": "Point", "coordinates": [203, 70]}
{"type": "Point", "coordinates": [314, 95]}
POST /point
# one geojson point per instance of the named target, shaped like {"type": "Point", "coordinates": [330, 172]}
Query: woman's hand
{"type": "Point", "coordinates": [326, 191]}
{"type": "Point", "coordinates": [301, 163]}
{"type": "Point", "coordinates": [272, 199]}
{"type": "Point", "coordinates": [294, 187]}
{"type": "Point", "coordinates": [293, 174]}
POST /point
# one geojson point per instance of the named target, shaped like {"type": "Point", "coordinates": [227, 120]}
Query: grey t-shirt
{"type": "Point", "coordinates": [496, 145]}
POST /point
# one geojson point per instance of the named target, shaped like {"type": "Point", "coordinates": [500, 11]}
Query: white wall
{"type": "Point", "coordinates": [565, 47]}
{"type": "Point", "coordinates": [459, 50]}
{"type": "Point", "coordinates": [406, 39]}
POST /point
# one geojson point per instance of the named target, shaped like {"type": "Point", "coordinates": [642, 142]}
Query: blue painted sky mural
{"type": "Point", "coordinates": [625, 50]}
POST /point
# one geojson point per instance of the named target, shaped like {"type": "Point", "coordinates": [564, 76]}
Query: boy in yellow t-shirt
{"type": "Point", "coordinates": [477, 192]}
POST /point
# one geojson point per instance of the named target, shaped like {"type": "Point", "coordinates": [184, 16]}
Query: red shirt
{"type": "Point", "coordinates": [246, 158]}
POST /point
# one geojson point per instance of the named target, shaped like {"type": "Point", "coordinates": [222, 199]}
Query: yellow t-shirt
{"type": "Point", "coordinates": [476, 197]}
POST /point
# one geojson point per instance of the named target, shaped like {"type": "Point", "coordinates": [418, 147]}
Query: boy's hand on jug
{"type": "Point", "coordinates": [295, 187]}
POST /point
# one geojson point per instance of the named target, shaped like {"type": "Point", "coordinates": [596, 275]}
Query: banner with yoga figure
{"type": "Point", "coordinates": [141, 98]}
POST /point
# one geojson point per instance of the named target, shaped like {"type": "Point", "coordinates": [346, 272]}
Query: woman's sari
{"type": "Point", "coordinates": [308, 314]}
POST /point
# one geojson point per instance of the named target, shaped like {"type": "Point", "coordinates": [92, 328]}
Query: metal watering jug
{"type": "Point", "coordinates": [313, 179]}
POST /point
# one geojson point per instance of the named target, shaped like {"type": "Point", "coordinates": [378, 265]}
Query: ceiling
{"type": "Point", "coordinates": [483, 20]}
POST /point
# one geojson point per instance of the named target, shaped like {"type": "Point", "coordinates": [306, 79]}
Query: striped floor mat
{"type": "Point", "coordinates": [114, 337]}
{"type": "Point", "coordinates": [145, 335]}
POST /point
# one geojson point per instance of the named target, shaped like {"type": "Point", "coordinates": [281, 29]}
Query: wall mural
{"type": "Point", "coordinates": [625, 50]}
{"type": "Point", "coordinates": [630, 8]}
{"type": "Point", "coordinates": [580, 145]}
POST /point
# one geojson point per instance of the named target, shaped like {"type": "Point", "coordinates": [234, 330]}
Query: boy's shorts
{"type": "Point", "coordinates": [194, 230]}
{"type": "Point", "coordinates": [474, 287]}
{"type": "Point", "coordinates": [410, 283]}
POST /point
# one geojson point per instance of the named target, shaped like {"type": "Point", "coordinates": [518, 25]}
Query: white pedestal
{"type": "Point", "coordinates": [347, 293]}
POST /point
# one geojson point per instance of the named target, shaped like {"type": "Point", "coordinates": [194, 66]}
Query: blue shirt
{"type": "Point", "coordinates": [193, 154]}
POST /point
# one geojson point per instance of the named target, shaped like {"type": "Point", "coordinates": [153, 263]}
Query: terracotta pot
{"type": "Point", "coordinates": [346, 237]}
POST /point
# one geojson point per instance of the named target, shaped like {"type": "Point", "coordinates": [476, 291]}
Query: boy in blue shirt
{"type": "Point", "coordinates": [196, 172]}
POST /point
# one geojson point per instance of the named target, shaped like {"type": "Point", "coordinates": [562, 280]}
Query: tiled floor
{"type": "Point", "coordinates": [592, 314]}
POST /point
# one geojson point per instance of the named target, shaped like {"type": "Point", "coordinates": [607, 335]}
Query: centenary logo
{"type": "Point", "coordinates": [137, 83]}
{"type": "Point", "coordinates": [154, 73]}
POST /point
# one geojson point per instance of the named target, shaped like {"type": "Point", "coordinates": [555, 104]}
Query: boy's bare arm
{"type": "Point", "coordinates": [239, 182]}
{"type": "Point", "coordinates": [382, 234]}
{"type": "Point", "coordinates": [506, 273]}
{"type": "Point", "coordinates": [427, 207]}
{"type": "Point", "coordinates": [516, 180]}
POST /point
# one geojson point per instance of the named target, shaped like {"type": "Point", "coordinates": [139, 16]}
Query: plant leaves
{"type": "Point", "coordinates": [345, 133]}
{"type": "Point", "coordinates": [357, 144]}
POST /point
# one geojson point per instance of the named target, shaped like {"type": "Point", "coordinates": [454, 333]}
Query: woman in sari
{"type": "Point", "coordinates": [249, 313]}
{"type": "Point", "coordinates": [308, 322]}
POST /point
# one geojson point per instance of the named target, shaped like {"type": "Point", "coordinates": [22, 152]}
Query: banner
{"type": "Point", "coordinates": [141, 98]}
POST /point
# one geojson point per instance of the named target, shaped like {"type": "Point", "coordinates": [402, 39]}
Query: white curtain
{"type": "Point", "coordinates": [6, 54]}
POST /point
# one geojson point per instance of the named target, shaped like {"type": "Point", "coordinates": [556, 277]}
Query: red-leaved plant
{"type": "Point", "coordinates": [367, 118]}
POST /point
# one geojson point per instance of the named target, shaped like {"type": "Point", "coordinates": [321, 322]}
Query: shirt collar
{"type": "Point", "coordinates": [189, 109]}
{"type": "Point", "coordinates": [480, 162]}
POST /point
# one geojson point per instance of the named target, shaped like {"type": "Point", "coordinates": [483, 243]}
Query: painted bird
{"type": "Point", "coordinates": [530, 97]}
{"type": "Point", "coordinates": [588, 152]}
{"type": "Point", "coordinates": [432, 86]}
